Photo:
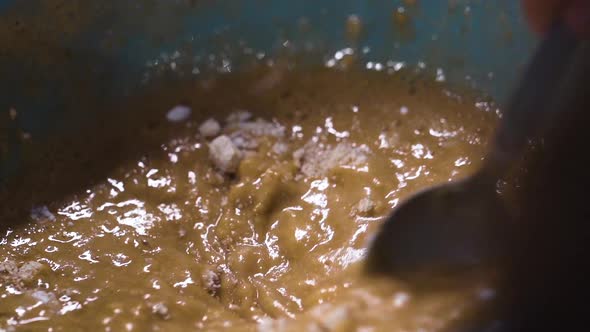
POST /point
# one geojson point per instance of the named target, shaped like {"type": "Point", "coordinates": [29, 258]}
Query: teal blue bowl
{"type": "Point", "coordinates": [58, 55]}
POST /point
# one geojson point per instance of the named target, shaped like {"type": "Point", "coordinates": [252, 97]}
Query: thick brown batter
{"type": "Point", "coordinates": [254, 223]}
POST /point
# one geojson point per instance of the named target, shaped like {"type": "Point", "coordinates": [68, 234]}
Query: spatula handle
{"type": "Point", "coordinates": [531, 108]}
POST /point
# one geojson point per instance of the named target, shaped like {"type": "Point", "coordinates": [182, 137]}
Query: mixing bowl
{"type": "Point", "coordinates": [58, 57]}
{"type": "Point", "coordinates": [69, 66]}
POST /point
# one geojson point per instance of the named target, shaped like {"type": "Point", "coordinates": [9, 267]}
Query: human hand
{"type": "Point", "coordinates": [542, 13]}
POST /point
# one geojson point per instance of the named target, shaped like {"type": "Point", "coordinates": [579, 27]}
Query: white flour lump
{"type": "Point", "coordinates": [210, 128]}
{"type": "Point", "coordinates": [224, 154]}
{"type": "Point", "coordinates": [316, 159]}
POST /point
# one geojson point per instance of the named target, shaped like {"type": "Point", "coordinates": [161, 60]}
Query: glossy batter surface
{"type": "Point", "coordinates": [259, 223]}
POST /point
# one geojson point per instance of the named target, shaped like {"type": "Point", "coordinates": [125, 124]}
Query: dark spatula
{"type": "Point", "coordinates": [462, 225]}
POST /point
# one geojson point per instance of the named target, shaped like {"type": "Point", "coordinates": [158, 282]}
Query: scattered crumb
{"type": "Point", "coordinates": [161, 310]}
{"type": "Point", "coordinates": [214, 177]}
{"type": "Point", "coordinates": [8, 268]}
{"type": "Point", "coordinates": [298, 156]}
{"type": "Point", "coordinates": [25, 274]}
{"type": "Point", "coordinates": [182, 233]}
{"type": "Point", "coordinates": [226, 243]}
{"type": "Point", "coordinates": [29, 271]}
{"type": "Point", "coordinates": [45, 297]}
{"type": "Point", "coordinates": [42, 214]}
{"type": "Point", "coordinates": [211, 281]}
{"type": "Point", "coordinates": [178, 113]}
{"type": "Point", "coordinates": [400, 299]}
{"type": "Point", "coordinates": [243, 141]}
{"type": "Point", "coordinates": [224, 154]}
{"type": "Point", "coordinates": [71, 292]}
{"type": "Point", "coordinates": [245, 134]}
{"type": "Point", "coordinates": [210, 128]}
{"type": "Point", "coordinates": [258, 128]}
{"type": "Point", "coordinates": [365, 207]}
{"type": "Point", "coordinates": [317, 159]}
{"type": "Point", "coordinates": [280, 148]}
